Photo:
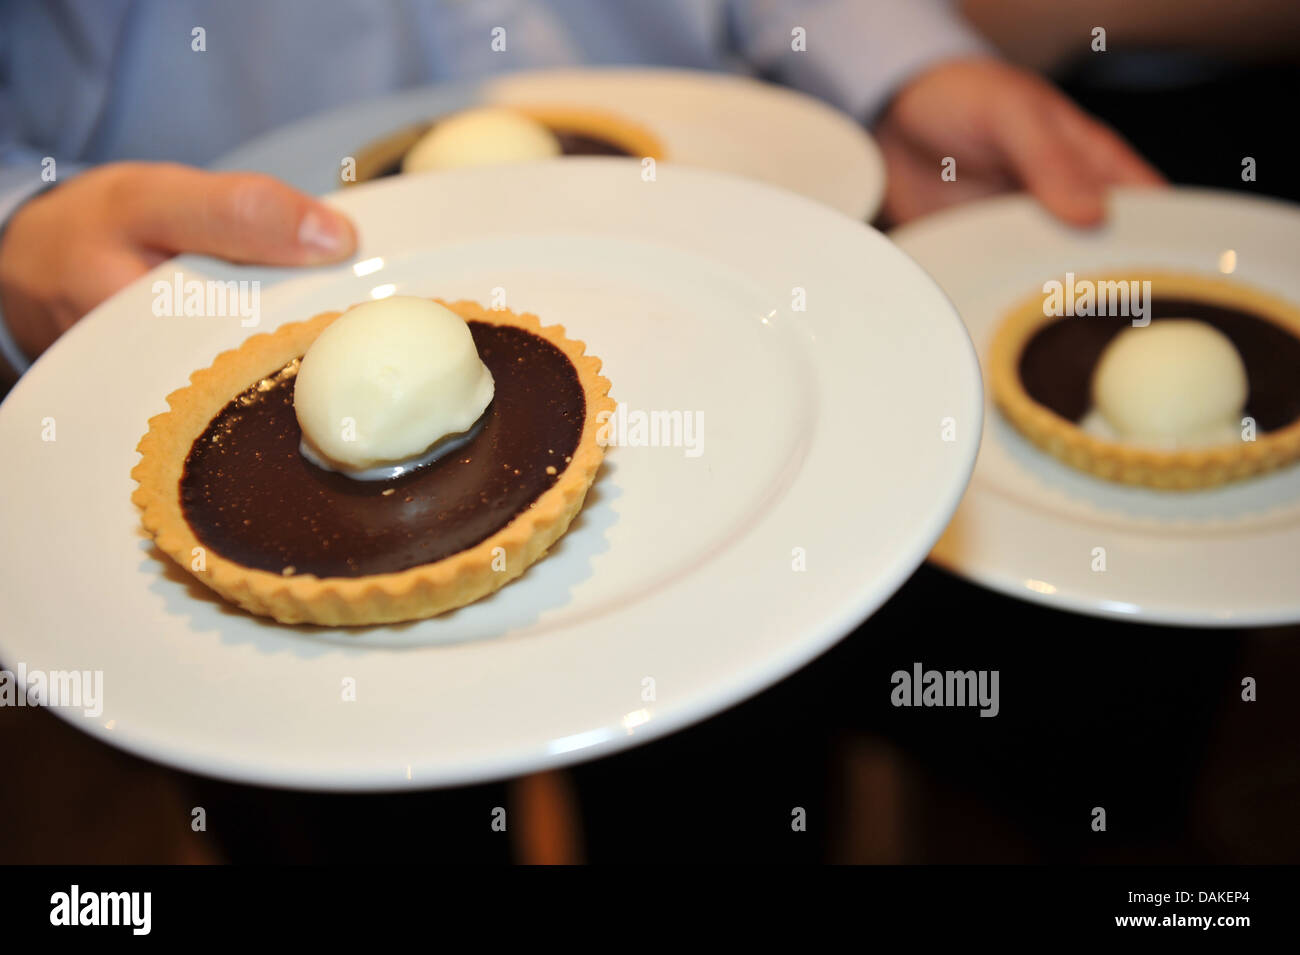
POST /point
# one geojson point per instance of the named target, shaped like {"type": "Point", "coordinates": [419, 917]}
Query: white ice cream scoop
{"type": "Point", "coordinates": [1174, 382]}
{"type": "Point", "coordinates": [388, 386]}
{"type": "Point", "coordinates": [479, 137]}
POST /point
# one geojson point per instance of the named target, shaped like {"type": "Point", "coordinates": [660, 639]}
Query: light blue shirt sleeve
{"type": "Point", "coordinates": [855, 53]}
{"type": "Point", "coordinates": [15, 189]}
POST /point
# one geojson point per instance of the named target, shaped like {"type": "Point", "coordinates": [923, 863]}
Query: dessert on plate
{"type": "Point", "coordinates": [390, 462]}
{"type": "Point", "coordinates": [497, 134]}
{"type": "Point", "coordinates": [1202, 389]}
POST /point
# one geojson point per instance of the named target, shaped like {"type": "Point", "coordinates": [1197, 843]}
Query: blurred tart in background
{"type": "Point", "coordinates": [497, 134]}
{"type": "Point", "coordinates": [1204, 389]}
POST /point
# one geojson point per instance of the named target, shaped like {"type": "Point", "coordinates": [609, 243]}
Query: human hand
{"type": "Point", "coordinates": [68, 249]}
{"type": "Point", "coordinates": [1007, 129]}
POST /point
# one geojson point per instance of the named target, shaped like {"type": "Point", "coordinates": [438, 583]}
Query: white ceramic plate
{"type": "Point", "coordinates": [674, 594]}
{"type": "Point", "coordinates": [711, 120]}
{"type": "Point", "coordinates": [1029, 524]}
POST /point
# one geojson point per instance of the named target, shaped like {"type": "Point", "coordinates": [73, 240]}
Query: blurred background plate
{"type": "Point", "coordinates": [1028, 524]}
{"type": "Point", "coordinates": [711, 120]}
{"type": "Point", "coordinates": [689, 581]}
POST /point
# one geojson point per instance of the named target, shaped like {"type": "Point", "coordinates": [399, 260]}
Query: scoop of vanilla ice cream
{"type": "Point", "coordinates": [1175, 381]}
{"type": "Point", "coordinates": [480, 137]}
{"type": "Point", "coordinates": [386, 380]}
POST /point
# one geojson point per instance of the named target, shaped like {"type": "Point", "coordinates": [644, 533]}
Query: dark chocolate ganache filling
{"type": "Point", "coordinates": [584, 144]}
{"type": "Point", "coordinates": [1057, 363]}
{"type": "Point", "coordinates": [250, 496]}
{"type": "Point", "coordinates": [571, 144]}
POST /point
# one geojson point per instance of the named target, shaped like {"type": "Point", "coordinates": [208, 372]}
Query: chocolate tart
{"type": "Point", "coordinates": [225, 492]}
{"type": "Point", "coordinates": [581, 132]}
{"type": "Point", "coordinates": [1040, 369]}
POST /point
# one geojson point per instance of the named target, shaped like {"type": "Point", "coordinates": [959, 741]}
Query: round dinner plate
{"type": "Point", "coordinates": [816, 362]}
{"type": "Point", "coordinates": [711, 120]}
{"type": "Point", "coordinates": [1029, 525]}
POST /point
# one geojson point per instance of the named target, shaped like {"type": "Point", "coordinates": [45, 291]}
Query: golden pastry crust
{"type": "Point", "coordinates": [418, 592]}
{"type": "Point", "coordinates": [1184, 469]}
{"type": "Point", "coordinates": [382, 153]}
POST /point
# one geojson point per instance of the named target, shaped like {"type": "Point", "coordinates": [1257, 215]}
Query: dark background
{"type": "Point", "coordinates": [1147, 722]}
